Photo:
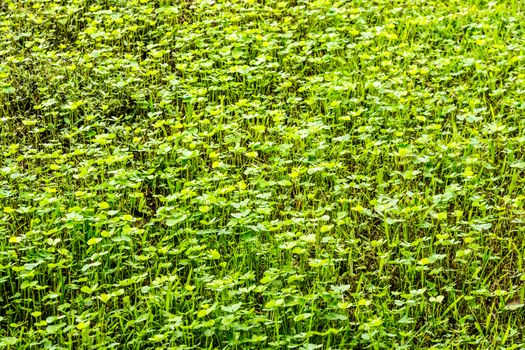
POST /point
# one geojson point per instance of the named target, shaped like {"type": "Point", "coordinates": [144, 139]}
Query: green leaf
{"type": "Point", "coordinates": [176, 220]}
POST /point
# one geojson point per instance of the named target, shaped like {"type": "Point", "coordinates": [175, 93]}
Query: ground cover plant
{"type": "Point", "coordinates": [261, 174]}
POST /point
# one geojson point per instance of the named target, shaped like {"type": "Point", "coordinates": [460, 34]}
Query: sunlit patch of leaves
{"type": "Point", "coordinates": [261, 174]}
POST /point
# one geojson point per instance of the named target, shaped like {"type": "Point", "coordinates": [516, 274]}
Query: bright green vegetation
{"type": "Point", "coordinates": [262, 174]}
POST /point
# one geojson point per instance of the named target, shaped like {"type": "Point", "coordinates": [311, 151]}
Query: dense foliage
{"type": "Point", "coordinates": [259, 174]}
